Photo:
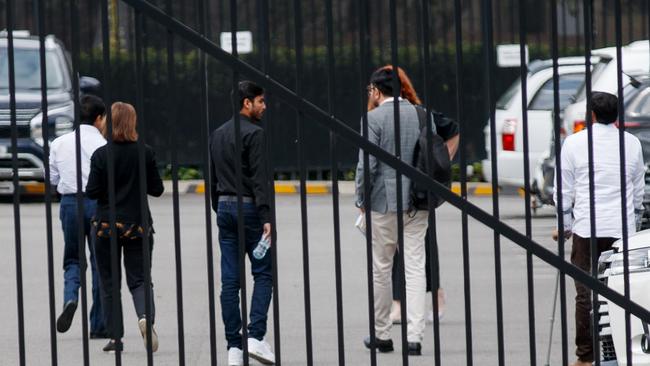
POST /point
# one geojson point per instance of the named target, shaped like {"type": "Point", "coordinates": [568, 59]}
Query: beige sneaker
{"type": "Point", "coordinates": [142, 324]}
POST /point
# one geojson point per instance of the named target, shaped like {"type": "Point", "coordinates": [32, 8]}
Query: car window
{"type": "Point", "coordinates": [507, 98]}
{"type": "Point", "coordinates": [597, 70]}
{"type": "Point", "coordinates": [569, 86]}
{"type": "Point", "coordinates": [639, 106]}
{"type": "Point", "coordinates": [27, 70]}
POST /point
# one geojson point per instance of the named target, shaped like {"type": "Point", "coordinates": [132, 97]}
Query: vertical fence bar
{"type": "Point", "coordinates": [265, 46]}
{"type": "Point", "coordinates": [557, 142]}
{"type": "Point", "coordinates": [239, 184]}
{"type": "Point", "coordinates": [115, 265]}
{"type": "Point", "coordinates": [489, 62]}
{"type": "Point", "coordinates": [398, 176]}
{"type": "Point", "coordinates": [142, 168]}
{"type": "Point", "coordinates": [40, 10]}
{"type": "Point", "coordinates": [603, 16]}
{"type": "Point", "coordinates": [523, 73]}
{"type": "Point", "coordinates": [205, 123]}
{"type": "Point", "coordinates": [621, 142]}
{"type": "Point", "coordinates": [458, 17]}
{"type": "Point", "coordinates": [592, 185]}
{"type": "Point", "coordinates": [173, 115]}
{"type": "Point", "coordinates": [364, 38]}
{"type": "Point", "coordinates": [16, 183]}
{"type": "Point", "coordinates": [334, 159]}
{"type": "Point", "coordinates": [425, 59]}
{"type": "Point", "coordinates": [297, 9]}
{"type": "Point", "coordinates": [81, 232]}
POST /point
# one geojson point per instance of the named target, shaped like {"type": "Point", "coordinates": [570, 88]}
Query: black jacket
{"type": "Point", "coordinates": [255, 175]}
{"type": "Point", "coordinates": [127, 182]}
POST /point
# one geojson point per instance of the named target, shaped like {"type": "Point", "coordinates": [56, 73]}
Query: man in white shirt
{"type": "Point", "coordinates": [63, 175]}
{"type": "Point", "coordinates": [607, 196]}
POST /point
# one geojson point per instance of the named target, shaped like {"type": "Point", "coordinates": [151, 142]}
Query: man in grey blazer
{"type": "Point", "coordinates": [383, 202]}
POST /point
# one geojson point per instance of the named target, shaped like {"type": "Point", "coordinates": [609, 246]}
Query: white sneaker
{"type": "Point", "coordinates": [235, 357]}
{"type": "Point", "coordinates": [142, 324]}
{"type": "Point", "coordinates": [261, 351]}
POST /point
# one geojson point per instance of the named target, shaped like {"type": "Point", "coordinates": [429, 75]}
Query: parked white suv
{"type": "Point", "coordinates": [611, 324]}
{"type": "Point", "coordinates": [508, 117]}
{"type": "Point", "coordinates": [636, 60]}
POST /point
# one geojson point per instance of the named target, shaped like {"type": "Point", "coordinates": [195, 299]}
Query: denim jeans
{"type": "Point", "coordinates": [71, 267]}
{"type": "Point", "coordinates": [260, 268]}
{"type": "Point", "coordinates": [135, 280]}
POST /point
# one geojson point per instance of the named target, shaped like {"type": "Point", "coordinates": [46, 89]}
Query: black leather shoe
{"type": "Point", "coordinates": [112, 346]}
{"type": "Point", "coordinates": [415, 349]}
{"type": "Point", "coordinates": [381, 345]}
{"type": "Point", "coordinates": [65, 319]}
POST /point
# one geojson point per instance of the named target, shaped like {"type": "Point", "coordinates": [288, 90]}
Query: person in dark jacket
{"type": "Point", "coordinates": [249, 97]}
{"type": "Point", "coordinates": [128, 216]}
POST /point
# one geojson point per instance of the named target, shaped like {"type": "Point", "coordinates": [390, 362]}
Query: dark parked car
{"type": "Point", "coordinates": [28, 104]}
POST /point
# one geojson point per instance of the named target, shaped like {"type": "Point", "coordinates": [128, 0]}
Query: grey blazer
{"type": "Point", "coordinates": [382, 178]}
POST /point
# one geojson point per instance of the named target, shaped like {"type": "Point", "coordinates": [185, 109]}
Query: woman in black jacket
{"type": "Point", "coordinates": [128, 216]}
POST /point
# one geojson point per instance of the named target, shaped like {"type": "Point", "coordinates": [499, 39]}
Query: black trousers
{"type": "Point", "coordinates": [398, 284]}
{"type": "Point", "coordinates": [132, 249]}
{"type": "Point", "coordinates": [581, 258]}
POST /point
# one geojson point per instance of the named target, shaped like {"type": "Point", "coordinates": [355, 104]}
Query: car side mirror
{"type": "Point", "coordinates": [89, 85]}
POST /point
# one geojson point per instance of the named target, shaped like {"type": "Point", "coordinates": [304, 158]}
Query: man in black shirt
{"type": "Point", "coordinates": [257, 223]}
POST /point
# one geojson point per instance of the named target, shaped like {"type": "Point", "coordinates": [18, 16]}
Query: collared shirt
{"type": "Point", "coordinates": [63, 159]}
{"type": "Point", "coordinates": [389, 99]}
{"type": "Point", "coordinates": [607, 181]}
{"type": "Point", "coordinates": [255, 182]}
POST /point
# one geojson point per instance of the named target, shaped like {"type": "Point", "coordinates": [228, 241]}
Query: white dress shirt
{"type": "Point", "coordinates": [607, 182]}
{"type": "Point", "coordinates": [63, 162]}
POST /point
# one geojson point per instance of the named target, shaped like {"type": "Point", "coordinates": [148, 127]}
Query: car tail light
{"type": "Point", "coordinates": [508, 134]}
{"type": "Point", "coordinates": [579, 125]}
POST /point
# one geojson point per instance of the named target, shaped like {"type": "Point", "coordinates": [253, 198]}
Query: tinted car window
{"type": "Point", "coordinates": [569, 86]}
{"type": "Point", "coordinates": [28, 71]}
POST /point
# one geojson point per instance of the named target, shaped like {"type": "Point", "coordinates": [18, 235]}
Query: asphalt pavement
{"type": "Point", "coordinates": [291, 289]}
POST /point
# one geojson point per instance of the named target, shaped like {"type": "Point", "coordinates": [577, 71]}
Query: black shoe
{"type": "Point", "coordinates": [415, 349]}
{"type": "Point", "coordinates": [65, 319]}
{"type": "Point", "coordinates": [381, 345]}
{"type": "Point", "coordinates": [99, 335]}
{"type": "Point", "coordinates": [112, 346]}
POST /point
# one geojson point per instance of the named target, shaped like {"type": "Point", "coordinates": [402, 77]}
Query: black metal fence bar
{"type": "Point", "coordinates": [364, 42]}
{"type": "Point", "coordinates": [173, 115]}
{"type": "Point", "coordinates": [425, 59]}
{"type": "Point", "coordinates": [147, 244]}
{"type": "Point", "coordinates": [559, 201]}
{"type": "Point", "coordinates": [331, 87]}
{"type": "Point", "coordinates": [110, 146]}
{"type": "Point", "coordinates": [462, 153]}
{"type": "Point", "coordinates": [489, 100]}
{"type": "Point", "coordinates": [40, 9]}
{"type": "Point", "coordinates": [16, 184]}
{"type": "Point", "coordinates": [523, 74]}
{"type": "Point", "coordinates": [81, 230]}
{"type": "Point", "coordinates": [300, 128]}
{"type": "Point", "coordinates": [621, 142]}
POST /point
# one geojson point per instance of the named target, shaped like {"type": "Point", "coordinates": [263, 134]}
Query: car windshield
{"type": "Point", "coordinates": [28, 71]}
{"type": "Point", "coordinates": [595, 73]}
{"type": "Point", "coordinates": [508, 97]}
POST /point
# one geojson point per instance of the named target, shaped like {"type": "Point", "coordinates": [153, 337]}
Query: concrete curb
{"type": "Point", "coordinates": [345, 187]}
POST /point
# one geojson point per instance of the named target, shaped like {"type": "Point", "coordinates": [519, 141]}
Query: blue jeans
{"type": "Point", "coordinates": [71, 267]}
{"type": "Point", "coordinates": [261, 270]}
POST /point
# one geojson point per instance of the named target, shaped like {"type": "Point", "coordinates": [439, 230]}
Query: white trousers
{"type": "Point", "coordinates": [384, 245]}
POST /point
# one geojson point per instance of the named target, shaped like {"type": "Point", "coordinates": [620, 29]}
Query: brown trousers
{"type": "Point", "coordinates": [581, 258]}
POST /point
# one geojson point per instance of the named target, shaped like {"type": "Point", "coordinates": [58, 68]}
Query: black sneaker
{"type": "Point", "coordinates": [65, 319]}
{"type": "Point", "coordinates": [382, 345]}
{"type": "Point", "coordinates": [112, 346]}
{"type": "Point", "coordinates": [415, 349]}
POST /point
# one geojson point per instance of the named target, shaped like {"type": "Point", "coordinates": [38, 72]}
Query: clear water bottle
{"type": "Point", "coordinates": [260, 250]}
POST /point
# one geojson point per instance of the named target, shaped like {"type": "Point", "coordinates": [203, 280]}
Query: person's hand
{"type": "Point", "coordinates": [362, 210]}
{"type": "Point", "coordinates": [267, 231]}
{"type": "Point", "coordinates": [555, 235]}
